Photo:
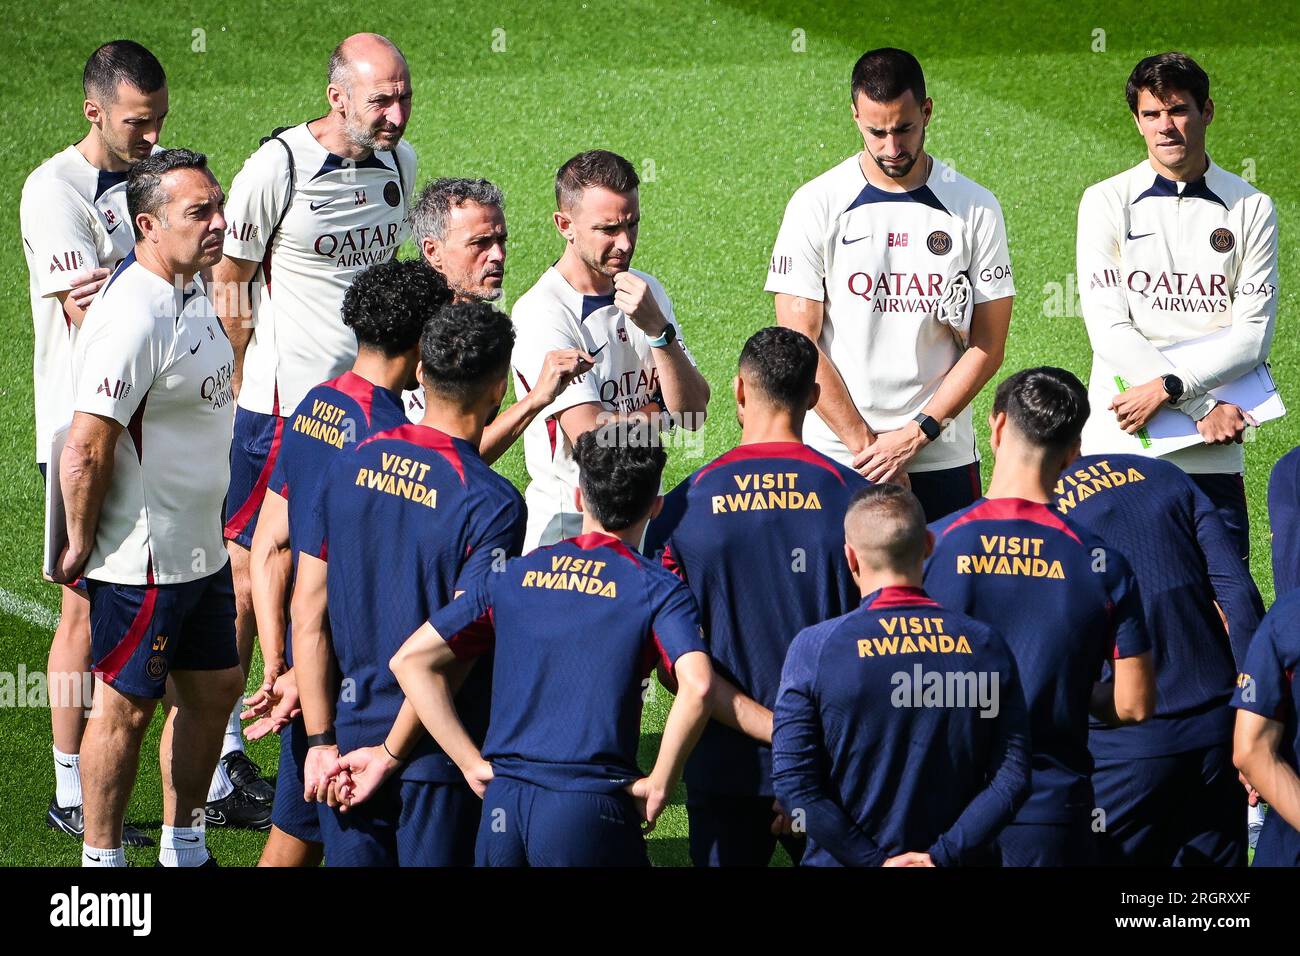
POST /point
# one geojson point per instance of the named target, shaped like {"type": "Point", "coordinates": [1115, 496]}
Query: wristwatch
{"type": "Point", "coordinates": [929, 427]}
{"type": "Point", "coordinates": [1173, 388]}
{"type": "Point", "coordinates": [669, 334]}
{"type": "Point", "coordinates": [327, 739]}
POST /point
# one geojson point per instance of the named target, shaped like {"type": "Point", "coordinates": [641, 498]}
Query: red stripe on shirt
{"type": "Point", "coordinates": [794, 451]}
{"type": "Point", "coordinates": [1015, 509]}
{"type": "Point", "coordinates": [356, 388]}
{"type": "Point", "coordinates": [424, 436]}
{"type": "Point", "coordinates": [902, 596]}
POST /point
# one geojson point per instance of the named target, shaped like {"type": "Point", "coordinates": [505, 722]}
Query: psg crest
{"type": "Point", "coordinates": [939, 242]}
{"type": "Point", "coordinates": [392, 195]}
{"type": "Point", "coordinates": [1221, 240]}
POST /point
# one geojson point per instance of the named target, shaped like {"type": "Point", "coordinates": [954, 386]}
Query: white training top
{"type": "Point", "coordinates": [1162, 262]}
{"type": "Point", "coordinates": [73, 219]}
{"type": "Point", "coordinates": [345, 216]}
{"type": "Point", "coordinates": [881, 262]}
{"type": "Point", "coordinates": [156, 360]}
{"type": "Point", "coordinates": [554, 315]}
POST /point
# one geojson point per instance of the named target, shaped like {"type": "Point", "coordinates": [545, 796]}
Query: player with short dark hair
{"type": "Point", "coordinates": [386, 307]}
{"type": "Point", "coordinates": [441, 520]}
{"type": "Point", "coordinates": [757, 536]}
{"type": "Point", "coordinates": [71, 215]}
{"type": "Point", "coordinates": [1066, 602]}
{"type": "Point", "coordinates": [897, 267]}
{"type": "Point", "coordinates": [1266, 739]}
{"type": "Point", "coordinates": [1167, 786]}
{"type": "Point", "coordinates": [575, 630]}
{"type": "Point", "coordinates": [142, 490]}
{"type": "Point", "coordinates": [1284, 522]}
{"type": "Point", "coordinates": [1169, 252]}
{"type": "Point", "coordinates": [900, 735]}
{"type": "Point", "coordinates": [593, 304]}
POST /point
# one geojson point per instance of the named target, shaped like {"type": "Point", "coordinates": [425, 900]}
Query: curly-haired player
{"type": "Point", "coordinates": [387, 307]}
{"type": "Point", "coordinates": [405, 521]}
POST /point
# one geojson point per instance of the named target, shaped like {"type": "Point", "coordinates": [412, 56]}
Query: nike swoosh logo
{"type": "Point", "coordinates": [62, 764]}
{"type": "Point", "coordinates": [188, 839]}
{"type": "Point", "coordinates": [1131, 237]}
{"type": "Point", "coordinates": [848, 242]}
{"type": "Point", "coordinates": [196, 348]}
{"type": "Point", "coordinates": [114, 229]}
{"type": "Point", "coordinates": [320, 205]}
{"type": "Point", "coordinates": [92, 859]}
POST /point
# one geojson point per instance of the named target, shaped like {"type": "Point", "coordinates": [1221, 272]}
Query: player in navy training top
{"type": "Point", "coordinates": [577, 628]}
{"type": "Point", "coordinates": [1284, 520]}
{"type": "Point", "coordinates": [403, 522]}
{"type": "Point", "coordinates": [1267, 737]}
{"type": "Point", "coordinates": [1185, 561]}
{"type": "Point", "coordinates": [901, 736]}
{"type": "Point", "coordinates": [774, 490]}
{"type": "Point", "coordinates": [1066, 603]}
{"type": "Point", "coordinates": [386, 307]}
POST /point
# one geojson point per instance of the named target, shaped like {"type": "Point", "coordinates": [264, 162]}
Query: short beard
{"type": "Point", "coordinates": [363, 137]}
{"type": "Point", "coordinates": [895, 175]}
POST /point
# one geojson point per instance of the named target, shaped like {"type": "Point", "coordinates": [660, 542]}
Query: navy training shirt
{"type": "Point", "coordinates": [405, 521]}
{"type": "Point", "coordinates": [333, 416]}
{"type": "Point", "coordinates": [900, 726]}
{"type": "Point", "coordinates": [1184, 560]}
{"type": "Point", "coordinates": [1284, 521]}
{"type": "Point", "coordinates": [1266, 686]}
{"type": "Point", "coordinates": [1066, 603]}
{"type": "Point", "coordinates": [576, 629]}
{"type": "Point", "coordinates": [758, 537]}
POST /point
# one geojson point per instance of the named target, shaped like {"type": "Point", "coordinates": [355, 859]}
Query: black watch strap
{"type": "Point", "coordinates": [327, 739]}
{"type": "Point", "coordinates": [1174, 388]}
{"type": "Point", "coordinates": [929, 427]}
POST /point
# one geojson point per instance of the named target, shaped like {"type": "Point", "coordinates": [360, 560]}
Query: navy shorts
{"type": "Point", "coordinates": [1184, 809]}
{"type": "Point", "coordinates": [253, 450]}
{"type": "Point", "coordinates": [407, 823]}
{"type": "Point", "coordinates": [527, 825]}
{"type": "Point", "coordinates": [1046, 844]}
{"type": "Point", "coordinates": [1228, 495]}
{"type": "Point", "coordinates": [1279, 843]}
{"type": "Point", "coordinates": [735, 830]}
{"type": "Point", "coordinates": [947, 490]}
{"type": "Point", "coordinates": [140, 633]}
{"type": "Point", "coordinates": [290, 813]}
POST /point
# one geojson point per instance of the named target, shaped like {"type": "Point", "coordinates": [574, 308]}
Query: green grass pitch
{"type": "Point", "coordinates": [725, 108]}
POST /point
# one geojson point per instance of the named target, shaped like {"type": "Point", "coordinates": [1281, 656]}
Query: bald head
{"type": "Point", "coordinates": [370, 91]}
{"type": "Point", "coordinates": [363, 56]}
{"type": "Point", "coordinates": [885, 527]}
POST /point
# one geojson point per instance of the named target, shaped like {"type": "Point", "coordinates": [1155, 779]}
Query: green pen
{"type": "Point", "coordinates": [1141, 432]}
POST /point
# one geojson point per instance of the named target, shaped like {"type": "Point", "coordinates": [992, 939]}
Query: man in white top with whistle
{"type": "Point", "coordinates": [1169, 251]}
{"type": "Point", "coordinates": [897, 267]}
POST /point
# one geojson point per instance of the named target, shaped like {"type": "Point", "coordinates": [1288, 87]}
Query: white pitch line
{"type": "Point", "coordinates": [33, 613]}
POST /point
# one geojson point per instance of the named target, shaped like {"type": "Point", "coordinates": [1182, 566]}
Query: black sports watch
{"type": "Point", "coordinates": [1173, 388]}
{"type": "Point", "coordinates": [929, 427]}
{"type": "Point", "coordinates": [327, 739]}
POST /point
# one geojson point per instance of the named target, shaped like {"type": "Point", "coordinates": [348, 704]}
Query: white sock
{"type": "Point", "coordinates": [234, 739]}
{"type": "Point", "coordinates": [67, 779]}
{"type": "Point", "coordinates": [221, 785]}
{"type": "Point", "coordinates": [1255, 815]}
{"type": "Point", "coordinates": [183, 846]}
{"type": "Point", "coordinates": [90, 856]}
